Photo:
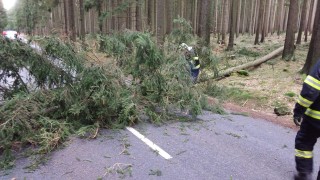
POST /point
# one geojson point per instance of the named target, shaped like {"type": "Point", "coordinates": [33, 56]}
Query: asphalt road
{"type": "Point", "coordinates": [215, 147]}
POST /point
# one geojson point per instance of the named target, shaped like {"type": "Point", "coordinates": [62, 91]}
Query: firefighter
{"type": "Point", "coordinates": [306, 114]}
{"type": "Point", "coordinates": [193, 60]}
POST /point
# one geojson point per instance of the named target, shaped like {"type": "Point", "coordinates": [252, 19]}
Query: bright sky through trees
{"type": "Point", "coordinates": [8, 4]}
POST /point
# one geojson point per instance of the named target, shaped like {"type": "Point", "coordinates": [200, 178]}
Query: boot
{"type": "Point", "coordinates": [303, 176]}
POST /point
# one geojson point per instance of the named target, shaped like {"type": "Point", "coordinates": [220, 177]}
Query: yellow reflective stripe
{"type": "Point", "coordinates": [304, 154]}
{"type": "Point", "coordinates": [313, 113]}
{"type": "Point", "coordinates": [304, 102]}
{"type": "Point", "coordinates": [195, 58]}
{"type": "Point", "coordinates": [197, 67]}
{"type": "Point", "coordinates": [313, 82]}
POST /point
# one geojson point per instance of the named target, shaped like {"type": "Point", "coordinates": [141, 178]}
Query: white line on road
{"type": "Point", "coordinates": [150, 143]}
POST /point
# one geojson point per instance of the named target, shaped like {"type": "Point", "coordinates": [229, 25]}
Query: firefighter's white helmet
{"type": "Point", "coordinates": [185, 46]}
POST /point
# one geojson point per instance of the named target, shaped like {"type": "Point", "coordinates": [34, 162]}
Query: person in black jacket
{"type": "Point", "coordinates": [193, 60]}
{"type": "Point", "coordinates": [306, 114]}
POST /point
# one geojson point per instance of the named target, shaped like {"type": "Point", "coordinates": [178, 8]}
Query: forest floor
{"type": "Point", "coordinates": [275, 83]}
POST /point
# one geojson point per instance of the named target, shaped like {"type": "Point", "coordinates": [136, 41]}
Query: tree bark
{"type": "Point", "coordinates": [263, 25]}
{"type": "Point", "coordinates": [65, 16]}
{"type": "Point", "coordinates": [238, 12]}
{"type": "Point", "coordinates": [71, 19]}
{"type": "Point", "coordinates": [225, 20]}
{"type": "Point", "coordinates": [313, 53]}
{"type": "Point", "coordinates": [160, 21]}
{"type": "Point", "coordinates": [259, 23]}
{"type": "Point", "coordinates": [233, 19]}
{"type": "Point", "coordinates": [302, 21]}
{"type": "Point", "coordinates": [291, 29]}
{"type": "Point", "coordinates": [248, 65]}
{"type": "Point", "coordinates": [280, 16]}
{"type": "Point", "coordinates": [82, 23]}
{"type": "Point", "coordinates": [204, 23]}
{"type": "Point", "coordinates": [311, 7]}
{"type": "Point", "coordinates": [169, 16]}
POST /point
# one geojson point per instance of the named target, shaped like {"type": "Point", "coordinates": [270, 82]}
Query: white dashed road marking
{"type": "Point", "coordinates": [150, 143]}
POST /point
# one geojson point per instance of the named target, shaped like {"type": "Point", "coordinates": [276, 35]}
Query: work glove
{"type": "Point", "coordinates": [297, 120]}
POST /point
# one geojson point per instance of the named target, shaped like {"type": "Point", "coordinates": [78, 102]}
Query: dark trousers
{"type": "Point", "coordinates": [305, 140]}
{"type": "Point", "coordinates": [195, 74]}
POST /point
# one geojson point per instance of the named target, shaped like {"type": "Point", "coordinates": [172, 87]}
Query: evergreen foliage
{"type": "Point", "coordinates": [69, 96]}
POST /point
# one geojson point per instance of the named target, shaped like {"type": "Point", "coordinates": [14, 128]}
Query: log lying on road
{"type": "Point", "coordinates": [247, 65]}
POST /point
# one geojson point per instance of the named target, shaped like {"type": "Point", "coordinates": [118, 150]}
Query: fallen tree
{"type": "Point", "coordinates": [244, 66]}
{"type": "Point", "coordinates": [96, 96]}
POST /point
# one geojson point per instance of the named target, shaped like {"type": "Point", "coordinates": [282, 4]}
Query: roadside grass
{"type": "Point", "coordinates": [270, 87]}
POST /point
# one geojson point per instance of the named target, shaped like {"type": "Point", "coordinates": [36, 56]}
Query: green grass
{"type": "Point", "coordinates": [247, 52]}
{"type": "Point", "coordinates": [225, 93]}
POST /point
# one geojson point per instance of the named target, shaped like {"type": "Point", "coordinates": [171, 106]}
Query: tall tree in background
{"type": "Point", "coordinates": [291, 30]}
{"type": "Point", "coordinates": [264, 26]}
{"type": "Point", "coordinates": [259, 24]}
{"type": "Point", "coordinates": [65, 10]}
{"type": "Point", "coordinates": [310, 10]}
{"type": "Point", "coordinates": [3, 17]}
{"type": "Point", "coordinates": [71, 19]}
{"type": "Point", "coordinates": [233, 16]}
{"type": "Point", "coordinates": [82, 22]}
{"type": "Point", "coordinates": [280, 15]}
{"type": "Point", "coordinates": [313, 53]}
{"type": "Point", "coordinates": [160, 21]}
{"type": "Point", "coordinates": [302, 21]}
{"type": "Point", "coordinates": [225, 20]}
{"type": "Point", "coordinates": [204, 21]}
{"type": "Point", "coordinates": [138, 15]}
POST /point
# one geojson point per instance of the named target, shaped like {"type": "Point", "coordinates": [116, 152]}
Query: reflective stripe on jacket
{"type": "Point", "coordinates": [308, 102]}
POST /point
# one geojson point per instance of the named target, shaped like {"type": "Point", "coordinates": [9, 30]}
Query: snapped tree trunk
{"type": "Point", "coordinates": [247, 65]}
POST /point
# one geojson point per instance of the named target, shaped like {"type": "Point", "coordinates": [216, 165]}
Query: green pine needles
{"type": "Point", "coordinates": [68, 96]}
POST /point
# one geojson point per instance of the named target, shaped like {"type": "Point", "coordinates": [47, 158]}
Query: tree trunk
{"type": "Point", "coordinates": [65, 17]}
{"type": "Point", "coordinates": [311, 7]}
{"type": "Point", "coordinates": [82, 23]}
{"type": "Point", "coordinates": [215, 17]}
{"type": "Point", "coordinates": [238, 12]}
{"type": "Point", "coordinates": [280, 16]}
{"type": "Point", "coordinates": [302, 21]}
{"type": "Point", "coordinates": [243, 18]}
{"type": "Point", "coordinates": [169, 16]}
{"type": "Point", "coordinates": [264, 19]}
{"type": "Point", "coordinates": [313, 15]}
{"type": "Point", "coordinates": [225, 20]}
{"type": "Point", "coordinates": [233, 19]}
{"type": "Point", "coordinates": [252, 15]}
{"type": "Point", "coordinates": [71, 19]}
{"type": "Point", "coordinates": [204, 23]}
{"type": "Point", "coordinates": [291, 29]}
{"type": "Point", "coordinates": [219, 21]}
{"type": "Point", "coordinates": [160, 21]}
{"type": "Point", "coordinates": [313, 53]}
{"type": "Point", "coordinates": [247, 65]}
{"type": "Point", "coordinates": [259, 23]}
{"type": "Point", "coordinates": [267, 18]}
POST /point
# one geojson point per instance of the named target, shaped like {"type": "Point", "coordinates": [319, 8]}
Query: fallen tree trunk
{"type": "Point", "coordinates": [247, 65]}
